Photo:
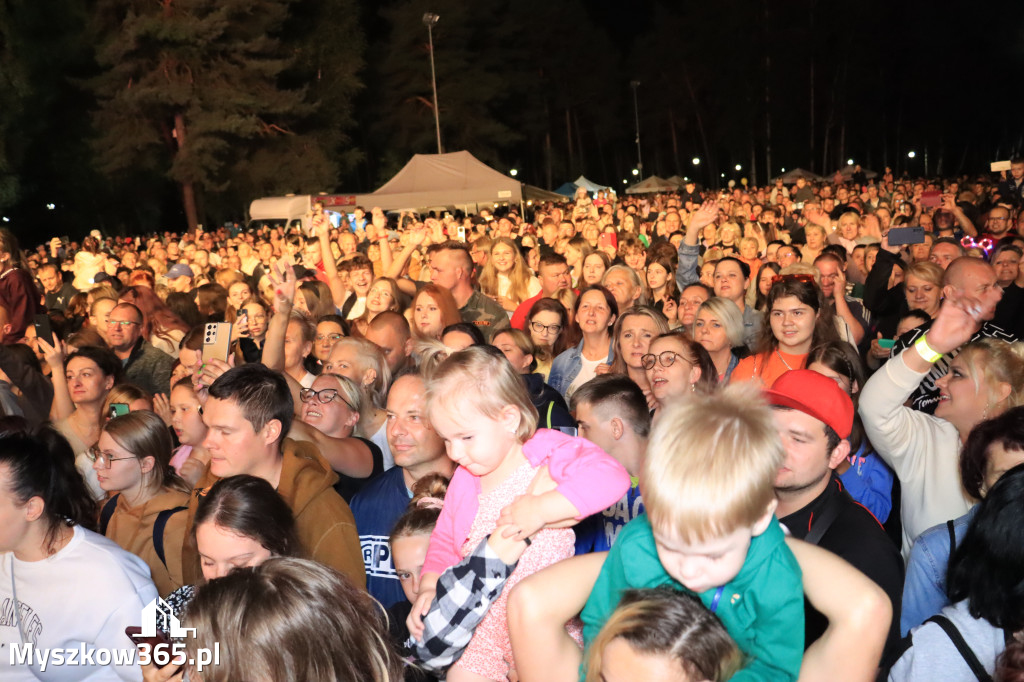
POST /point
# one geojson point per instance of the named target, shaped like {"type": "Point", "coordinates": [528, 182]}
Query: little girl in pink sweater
{"type": "Point", "coordinates": [480, 406]}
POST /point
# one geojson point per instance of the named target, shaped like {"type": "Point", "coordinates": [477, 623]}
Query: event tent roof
{"type": "Point", "coordinates": [791, 176]}
{"type": "Point", "coordinates": [453, 179]}
{"type": "Point", "coordinates": [847, 172]}
{"type": "Point", "coordinates": [651, 184]}
{"type": "Point", "coordinates": [589, 185]}
{"type": "Point", "coordinates": [568, 189]}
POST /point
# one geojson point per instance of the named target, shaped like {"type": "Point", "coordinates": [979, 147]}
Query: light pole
{"type": "Point", "coordinates": [636, 114]}
{"type": "Point", "coordinates": [429, 19]}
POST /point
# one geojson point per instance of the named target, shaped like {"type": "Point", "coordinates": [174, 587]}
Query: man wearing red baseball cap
{"type": "Point", "coordinates": [814, 417]}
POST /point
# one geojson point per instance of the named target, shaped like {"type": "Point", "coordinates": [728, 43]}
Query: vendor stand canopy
{"type": "Point", "coordinates": [847, 172]}
{"type": "Point", "coordinates": [790, 177]}
{"type": "Point", "coordinates": [589, 185]}
{"type": "Point", "coordinates": [455, 179]}
{"type": "Point", "coordinates": [651, 184]}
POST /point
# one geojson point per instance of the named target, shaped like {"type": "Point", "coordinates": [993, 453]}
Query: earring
{"type": "Point", "coordinates": [693, 387]}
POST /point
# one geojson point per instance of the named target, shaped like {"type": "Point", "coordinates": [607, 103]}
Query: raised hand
{"type": "Point", "coordinates": [705, 215]}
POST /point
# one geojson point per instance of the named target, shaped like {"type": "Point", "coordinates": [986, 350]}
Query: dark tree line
{"type": "Point", "coordinates": [137, 116]}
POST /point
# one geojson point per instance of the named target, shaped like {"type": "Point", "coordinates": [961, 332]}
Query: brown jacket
{"type": "Point", "coordinates": [325, 526]}
{"type": "Point", "coordinates": [132, 529]}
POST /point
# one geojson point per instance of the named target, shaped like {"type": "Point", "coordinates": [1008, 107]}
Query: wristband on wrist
{"type": "Point", "coordinates": [927, 352]}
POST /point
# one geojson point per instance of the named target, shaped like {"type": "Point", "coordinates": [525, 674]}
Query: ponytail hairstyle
{"type": "Point", "coordinates": [249, 506]}
{"type": "Point", "coordinates": [664, 622]}
{"type": "Point", "coordinates": [420, 516]}
{"type": "Point", "coordinates": [144, 434]}
{"type": "Point", "coordinates": [40, 463]}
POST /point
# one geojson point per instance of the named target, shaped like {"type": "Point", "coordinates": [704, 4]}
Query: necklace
{"type": "Point", "coordinates": [783, 359]}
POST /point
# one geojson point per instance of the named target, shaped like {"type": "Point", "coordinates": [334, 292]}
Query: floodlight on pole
{"type": "Point", "coordinates": [429, 20]}
{"type": "Point", "coordinates": [636, 116]}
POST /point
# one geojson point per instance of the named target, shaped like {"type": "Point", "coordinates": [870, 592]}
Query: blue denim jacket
{"type": "Point", "coordinates": [924, 590]}
{"type": "Point", "coordinates": [567, 365]}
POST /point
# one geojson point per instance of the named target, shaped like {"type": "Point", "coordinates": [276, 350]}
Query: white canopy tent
{"type": "Point", "coordinates": [847, 172]}
{"type": "Point", "coordinates": [651, 184]}
{"type": "Point", "coordinates": [456, 179]}
{"type": "Point", "coordinates": [588, 185]}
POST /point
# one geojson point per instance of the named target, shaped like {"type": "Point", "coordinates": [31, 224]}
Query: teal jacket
{"type": "Point", "coordinates": [762, 608]}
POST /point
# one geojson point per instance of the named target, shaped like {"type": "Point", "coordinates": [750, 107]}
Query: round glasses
{"type": "Point", "coordinates": [324, 396]}
{"type": "Point", "coordinates": [102, 458]}
{"type": "Point", "coordinates": [331, 337]}
{"type": "Point", "coordinates": [665, 359]}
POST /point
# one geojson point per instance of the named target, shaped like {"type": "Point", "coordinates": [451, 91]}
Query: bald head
{"type": "Point", "coordinates": [390, 332]}
{"type": "Point", "coordinates": [961, 269]}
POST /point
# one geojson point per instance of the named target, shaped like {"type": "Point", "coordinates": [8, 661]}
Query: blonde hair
{"type": "Point", "coordinates": [519, 275]}
{"type": "Point", "coordinates": [125, 394]}
{"type": "Point", "coordinates": [661, 324]}
{"type": "Point", "coordinates": [270, 621]}
{"type": "Point", "coordinates": [728, 313]}
{"type": "Point", "coordinates": [668, 623]}
{"type": "Point", "coordinates": [1003, 364]}
{"type": "Point", "coordinates": [711, 464]}
{"type": "Point", "coordinates": [370, 356]}
{"type": "Point", "coordinates": [926, 270]}
{"type": "Point", "coordinates": [482, 377]}
{"type": "Point", "coordinates": [351, 392]}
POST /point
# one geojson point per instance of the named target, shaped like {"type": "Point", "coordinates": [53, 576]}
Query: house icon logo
{"type": "Point", "coordinates": [159, 612]}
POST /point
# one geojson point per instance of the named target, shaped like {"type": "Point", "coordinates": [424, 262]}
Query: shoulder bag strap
{"type": "Point", "coordinates": [828, 516]}
{"type": "Point", "coordinates": [961, 645]}
{"type": "Point", "coordinates": [951, 528]}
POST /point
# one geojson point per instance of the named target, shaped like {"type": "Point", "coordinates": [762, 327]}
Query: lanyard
{"type": "Point", "coordinates": [717, 598]}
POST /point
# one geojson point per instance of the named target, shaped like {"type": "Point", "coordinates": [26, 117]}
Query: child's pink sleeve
{"type": "Point", "coordinates": [591, 479]}
{"type": "Point", "coordinates": [454, 523]}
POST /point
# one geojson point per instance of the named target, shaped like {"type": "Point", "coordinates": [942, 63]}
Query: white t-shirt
{"type": "Point", "coordinates": [587, 372]}
{"type": "Point", "coordinates": [89, 591]}
{"type": "Point", "coordinates": [380, 439]}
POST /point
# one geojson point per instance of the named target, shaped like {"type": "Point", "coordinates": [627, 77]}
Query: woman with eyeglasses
{"type": "Point", "coordinates": [331, 410]}
{"type": "Point", "coordinates": [677, 368]}
{"type": "Point", "coordinates": [63, 586]}
{"type": "Point", "coordinates": [132, 461]}
{"type": "Point", "coordinates": [595, 313]}
{"type": "Point", "coordinates": [329, 330]}
{"type": "Point", "coordinates": [798, 319]}
{"type": "Point", "coordinates": [550, 331]}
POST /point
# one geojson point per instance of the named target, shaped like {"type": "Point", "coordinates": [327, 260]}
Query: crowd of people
{"type": "Point", "coordinates": [763, 433]}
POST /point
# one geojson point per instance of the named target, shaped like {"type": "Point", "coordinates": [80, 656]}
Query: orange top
{"type": "Point", "coordinates": [766, 368]}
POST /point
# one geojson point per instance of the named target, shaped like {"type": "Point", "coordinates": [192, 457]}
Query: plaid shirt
{"type": "Point", "coordinates": [464, 593]}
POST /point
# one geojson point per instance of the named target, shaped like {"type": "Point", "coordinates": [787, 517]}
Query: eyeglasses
{"type": "Point", "coordinates": [545, 328]}
{"type": "Point", "coordinates": [806, 279]}
{"type": "Point", "coordinates": [102, 458]}
{"type": "Point", "coordinates": [332, 337]}
{"type": "Point", "coordinates": [325, 396]}
{"type": "Point", "coordinates": [123, 324]}
{"type": "Point", "coordinates": [665, 359]}
{"type": "Point", "coordinates": [994, 218]}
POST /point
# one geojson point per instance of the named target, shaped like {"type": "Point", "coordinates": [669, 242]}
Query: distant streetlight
{"type": "Point", "coordinates": [513, 172]}
{"type": "Point", "coordinates": [636, 114]}
{"type": "Point", "coordinates": [696, 161]}
{"type": "Point", "coordinates": [636, 171]}
{"type": "Point", "coordinates": [739, 167]}
{"type": "Point", "coordinates": [625, 181]}
{"type": "Point", "coordinates": [783, 170]}
{"type": "Point", "coordinates": [849, 162]}
{"type": "Point", "coordinates": [51, 206]}
{"type": "Point", "coordinates": [723, 175]}
{"type": "Point", "coordinates": [429, 20]}
{"type": "Point", "coordinates": [911, 154]}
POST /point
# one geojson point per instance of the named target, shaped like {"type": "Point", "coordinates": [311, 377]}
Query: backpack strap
{"type": "Point", "coordinates": [107, 513]}
{"type": "Point", "coordinates": [547, 419]}
{"type": "Point", "coordinates": [961, 645]}
{"type": "Point", "coordinates": [158, 531]}
{"type": "Point", "coordinates": [952, 542]}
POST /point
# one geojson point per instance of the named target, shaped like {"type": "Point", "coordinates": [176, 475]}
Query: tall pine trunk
{"type": "Point", "coordinates": [188, 191]}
